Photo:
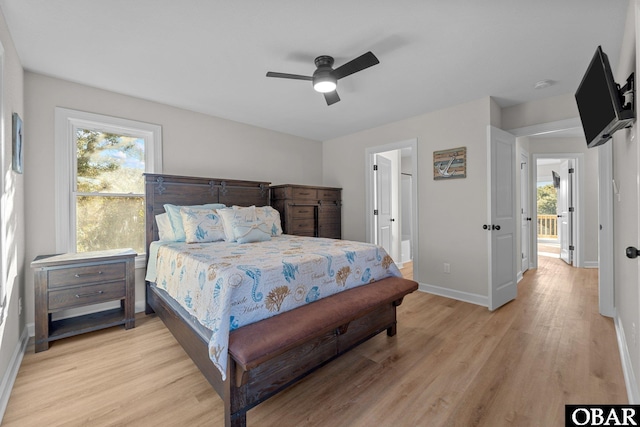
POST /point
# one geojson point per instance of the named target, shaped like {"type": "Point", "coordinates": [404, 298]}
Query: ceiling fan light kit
{"type": "Point", "coordinates": [325, 85]}
{"type": "Point", "coordinates": [325, 78]}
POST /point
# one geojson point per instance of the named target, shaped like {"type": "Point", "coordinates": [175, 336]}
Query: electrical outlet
{"type": "Point", "coordinates": [447, 267]}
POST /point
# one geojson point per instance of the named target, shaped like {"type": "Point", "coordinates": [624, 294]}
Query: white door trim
{"type": "Point", "coordinates": [551, 127]}
{"type": "Point", "coordinates": [369, 186]}
{"type": "Point", "coordinates": [606, 299]}
{"type": "Point", "coordinates": [525, 196]}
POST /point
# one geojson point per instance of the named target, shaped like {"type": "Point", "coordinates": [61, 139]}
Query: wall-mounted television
{"type": "Point", "coordinates": [604, 107]}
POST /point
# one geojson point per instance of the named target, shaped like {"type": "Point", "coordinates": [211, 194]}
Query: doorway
{"type": "Point", "coordinates": [559, 213]}
{"type": "Point", "coordinates": [391, 198]}
{"type": "Point", "coordinates": [554, 208]}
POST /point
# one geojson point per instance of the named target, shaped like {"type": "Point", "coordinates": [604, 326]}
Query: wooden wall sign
{"type": "Point", "coordinates": [450, 164]}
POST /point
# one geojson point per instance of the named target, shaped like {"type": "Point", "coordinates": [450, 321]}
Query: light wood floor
{"type": "Point", "coordinates": [451, 364]}
{"type": "Point", "coordinates": [407, 270]}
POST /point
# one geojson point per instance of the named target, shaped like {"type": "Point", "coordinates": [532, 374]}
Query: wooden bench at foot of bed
{"type": "Point", "coordinates": [269, 355]}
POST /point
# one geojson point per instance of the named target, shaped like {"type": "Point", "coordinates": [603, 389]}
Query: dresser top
{"type": "Point", "coordinates": [74, 258]}
{"type": "Point", "coordinates": [317, 187]}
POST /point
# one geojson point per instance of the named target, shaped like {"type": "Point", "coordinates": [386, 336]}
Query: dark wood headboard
{"type": "Point", "coordinates": [187, 190]}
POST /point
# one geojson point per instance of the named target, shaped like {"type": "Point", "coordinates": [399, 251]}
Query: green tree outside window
{"type": "Point", "coordinates": [109, 191]}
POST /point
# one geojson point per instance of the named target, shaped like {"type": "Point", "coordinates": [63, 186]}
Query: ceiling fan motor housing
{"type": "Point", "coordinates": [324, 71]}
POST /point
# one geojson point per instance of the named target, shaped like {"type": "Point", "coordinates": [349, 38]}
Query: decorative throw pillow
{"type": "Point", "coordinates": [165, 231]}
{"type": "Point", "coordinates": [201, 225]}
{"type": "Point", "coordinates": [176, 218]}
{"type": "Point", "coordinates": [271, 218]}
{"type": "Point", "coordinates": [235, 214]}
{"type": "Point", "coordinates": [250, 232]}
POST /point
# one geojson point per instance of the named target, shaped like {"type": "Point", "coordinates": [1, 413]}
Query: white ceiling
{"type": "Point", "coordinates": [212, 56]}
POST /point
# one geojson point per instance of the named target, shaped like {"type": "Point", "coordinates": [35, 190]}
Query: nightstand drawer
{"type": "Point", "coordinates": [83, 295]}
{"type": "Point", "coordinates": [86, 274]}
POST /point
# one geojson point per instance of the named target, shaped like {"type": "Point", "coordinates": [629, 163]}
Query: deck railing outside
{"type": "Point", "coordinates": [547, 226]}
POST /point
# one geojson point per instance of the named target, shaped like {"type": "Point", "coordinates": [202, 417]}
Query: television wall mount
{"type": "Point", "coordinates": [627, 95]}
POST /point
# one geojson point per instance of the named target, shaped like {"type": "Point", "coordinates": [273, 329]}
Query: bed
{"type": "Point", "coordinates": [249, 360]}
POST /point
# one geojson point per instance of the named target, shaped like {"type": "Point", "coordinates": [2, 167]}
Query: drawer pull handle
{"type": "Point", "coordinates": [78, 275]}
{"type": "Point", "coordinates": [89, 294]}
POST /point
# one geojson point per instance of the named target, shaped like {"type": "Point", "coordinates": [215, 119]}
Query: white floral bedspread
{"type": "Point", "coordinates": [229, 285]}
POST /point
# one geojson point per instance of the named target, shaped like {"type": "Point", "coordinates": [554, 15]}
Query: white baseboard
{"type": "Point", "coordinates": [457, 295]}
{"type": "Point", "coordinates": [12, 372]}
{"type": "Point", "coordinates": [591, 264]}
{"type": "Point", "coordinates": [627, 367]}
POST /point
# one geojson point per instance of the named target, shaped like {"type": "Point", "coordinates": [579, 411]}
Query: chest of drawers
{"type": "Point", "coordinates": [308, 210]}
{"type": "Point", "coordinates": [69, 281]}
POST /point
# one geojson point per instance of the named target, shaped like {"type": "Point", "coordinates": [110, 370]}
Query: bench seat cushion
{"type": "Point", "coordinates": [254, 344]}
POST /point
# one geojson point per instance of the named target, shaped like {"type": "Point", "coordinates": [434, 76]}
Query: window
{"type": "Point", "coordinates": [99, 165]}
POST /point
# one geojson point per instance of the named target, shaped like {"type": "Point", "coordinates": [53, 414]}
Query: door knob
{"type": "Point", "coordinates": [495, 227]}
{"type": "Point", "coordinates": [632, 252]}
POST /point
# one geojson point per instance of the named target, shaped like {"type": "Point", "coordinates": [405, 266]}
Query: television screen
{"type": "Point", "coordinates": [599, 102]}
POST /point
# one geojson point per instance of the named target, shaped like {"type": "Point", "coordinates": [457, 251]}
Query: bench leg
{"type": "Point", "coordinates": [236, 420]}
{"type": "Point", "coordinates": [391, 330]}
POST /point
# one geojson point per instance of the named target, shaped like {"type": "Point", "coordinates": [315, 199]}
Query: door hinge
{"type": "Point", "coordinates": [571, 247]}
{"type": "Point", "coordinates": [375, 211]}
{"type": "Point", "coordinates": [572, 209]}
{"type": "Point", "coordinates": [375, 167]}
{"type": "Point", "coordinates": [571, 170]}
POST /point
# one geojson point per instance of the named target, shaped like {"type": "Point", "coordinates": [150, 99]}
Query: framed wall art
{"type": "Point", "coordinates": [450, 164]}
{"type": "Point", "coordinates": [17, 143]}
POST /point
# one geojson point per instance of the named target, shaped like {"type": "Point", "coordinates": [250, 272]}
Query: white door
{"type": "Point", "coordinates": [564, 212]}
{"type": "Point", "coordinates": [384, 204]}
{"type": "Point", "coordinates": [525, 215]}
{"type": "Point", "coordinates": [503, 285]}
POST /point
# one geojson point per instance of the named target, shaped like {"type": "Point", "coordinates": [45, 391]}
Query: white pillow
{"type": "Point", "coordinates": [236, 213]}
{"type": "Point", "coordinates": [176, 218]}
{"type": "Point", "coordinates": [271, 218]}
{"type": "Point", "coordinates": [165, 230]}
{"type": "Point", "coordinates": [201, 225]}
{"type": "Point", "coordinates": [249, 232]}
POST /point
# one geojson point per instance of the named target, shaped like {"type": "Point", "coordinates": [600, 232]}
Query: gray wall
{"type": "Point", "coordinates": [451, 213]}
{"type": "Point", "coordinates": [11, 213]}
{"type": "Point", "coordinates": [192, 144]}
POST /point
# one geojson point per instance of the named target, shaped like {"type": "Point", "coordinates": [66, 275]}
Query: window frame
{"type": "Point", "coordinates": [66, 123]}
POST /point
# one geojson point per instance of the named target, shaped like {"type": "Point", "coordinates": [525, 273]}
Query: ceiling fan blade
{"type": "Point", "coordinates": [288, 76]}
{"type": "Point", "coordinates": [360, 63]}
{"type": "Point", "coordinates": [331, 97]}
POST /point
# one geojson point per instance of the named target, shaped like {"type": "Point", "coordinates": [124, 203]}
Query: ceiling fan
{"type": "Point", "coordinates": [325, 78]}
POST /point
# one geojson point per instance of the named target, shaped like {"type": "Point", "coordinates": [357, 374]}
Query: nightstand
{"type": "Point", "coordinates": [68, 281]}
